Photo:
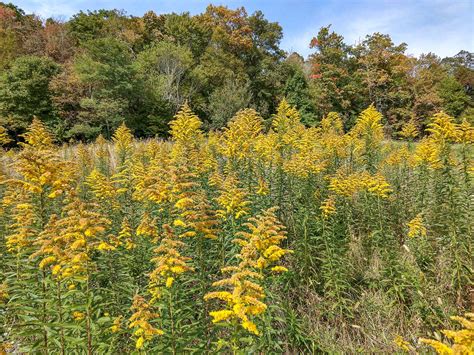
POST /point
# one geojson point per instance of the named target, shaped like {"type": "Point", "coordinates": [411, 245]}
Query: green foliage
{"type": "Point", "coordinates": [105, 67]}
{"type": "Point", "coordinates": [143, 68]}
{"type": "Point", "coordinates": [453, 96]}
{"type": "Point", "coordinates": [226, 101]}
{"type": "Point", "coordinates": [85, 26]}
{"type": "Point", "coordinates": [385, 70]}
{"type": "Point", "coordinates": [164, 74]}
{"type": "Point", "coordinates": [104, 115]}
{"type": "Point", "coordinates": [297, 93]}
{"type": "Point", "coordinates": [24, 91]}
{"type": "Point", "coordinates": [188, 32]}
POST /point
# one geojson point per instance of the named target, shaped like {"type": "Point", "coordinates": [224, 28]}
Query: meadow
{"type": "Point", "coordinates": [263, 237]}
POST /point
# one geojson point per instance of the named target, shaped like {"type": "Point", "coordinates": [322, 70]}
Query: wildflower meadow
{"type": "Point", "coordinates": [266, 236]}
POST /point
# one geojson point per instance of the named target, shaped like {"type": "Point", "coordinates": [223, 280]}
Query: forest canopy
{"type": "Point", "coordinates": [85, 76]}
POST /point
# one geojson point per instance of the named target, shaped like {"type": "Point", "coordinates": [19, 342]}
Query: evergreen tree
{"type": "Point", "coordinates": [298, 95]}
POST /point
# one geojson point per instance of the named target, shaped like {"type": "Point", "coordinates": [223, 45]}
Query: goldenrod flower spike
{"type": "Point", "coordinates": [350, 185]}
{"type": "Point", "coordinates": [140, 322]}
{"type": "Point", "coordinates": [187, 136]}
{"type": "Point", "coordinates": [123, 139]}
{"type": "Point", "coordinates": [369, 124]}
{"type": "Point", "coordinates": [416, 227]}
{"type": "Point", "coordinates": [4, 138]}
{"type": "Point", "coordinates": [442, 128]}
{"type": "Point", "coordinates": [169, 263]}
{"type": "Point", "coordinates": [38, 135]}
{"type": "Point", "coordinates": [147, 227]}
{"type": "Point", "coordinates": [465, 132]}
{"type": "Point", "coordinates": [402, 343]}
{"type": "Point", "coordinates": [332, 123]}
{"type": "Point", "coordinates": [462, 340]}
{"type": "Point", "coordinates": [240, 136]}
{"type": "Point", "coordinates": [286, 119]}
{"type": "Point", "coordinates": [102, 187]}
{"type": "Point", "coordinates": [367, 136]}
{"type": "Point", "coordinates": [260, 249]}
{"type": "Point", "coordinates": [67, 242]}
{"type": "Point", "coordinates": [117, 324]}
{"type": "Point", "coordinates": [125, 237]}
{"type": "Point", "coordinates": [427, 152]}
{"type": "Point", "coordinates": [232, 199]}
{"type": "Point", "coordinates": [328, 207]}
{"type": "Point", "coordinates": [409, 130]}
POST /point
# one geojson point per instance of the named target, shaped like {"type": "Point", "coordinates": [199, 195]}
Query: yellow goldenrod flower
{"type": "Point", "coordinates": [465, 132]}
{"type": "Point", "coordinates": [427, 152]}
{"type": "Point", "coordinates": [47, 261]}
{"type": "Point", "coordinates": [220, 316]}
{"type": "Point", "coordinates": [332, 123]}
{"type": "Point", "coordinates": [402, 343]}
{"type": "Point", "coordinates": [3, 292]}
{"type": "Point", "coordinates": [240, 136]}
{"type": "Point", "coordinates": [195, 212]}
{"type": "Point", "coordinates": [442, 128]}
{"type": "Point", "coordinates": [147, 227]}
{"type": "Point", "coordinates": [259, 249]}
{"type": "Point", "coordinates": [103, 246]}
{"type": "Point", "coordinates": [139, 343]}
{"type": "Point", "coordinates": [183, 203]}
{"type": "Point", "coordinates": [462, 340]}
{"type": "Point", "coordinates": [169, 263]}
{"type": "Point", "coordinates": [348, 186]}
{"type": "Point", "coordinates": [369, 124]}
{"type": "Point", "coordinates": [4, 139]}
{"type": "Point", "coordinates": [140, 321]}
{"type": "Point", "coordinates": [286, 120]}
{"type": "Point", "coordinates": [409, 130]}
{"type": "Point", "coordinates": [102, 187]}
{"type": "Point", "coordinates": [262, 187]}
{"type": "Point", "coordinates": [169, 281]}
{"type": "Point", "coordinates": [123, 139]}
{"type": "Point", "coordinates": [68, 241]}
{"type": "Point", "coordinates": [377, 185]}
{"type": "Point", "coordinates": [251, 327]}
{"type": "Point", "coordinates": [232, 199]}
{"type": "Point", "coordinates": [125, 235]}
{"type": "Point", "coordinates": [117, 324]}
{"type": "Point", "coordinates": [328, 207]}
{"type": "Point", "coordinates": [185, 126]}
{"type": "Point", "coordinates": [179, 223]}
{"type": "Point", "coordinates": [78, 316]}
{"type": "Point", "coordinates": [187, 136]}
{"type": "Point", "coordinates": [416, 227]}
{"type": "Point", "coordinates": [37, 135]}
{"type": "Point", "coordinates": [306, 155]}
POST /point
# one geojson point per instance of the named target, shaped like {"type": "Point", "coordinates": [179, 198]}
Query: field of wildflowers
{"type": "Point", "coordinates": [264, 237]}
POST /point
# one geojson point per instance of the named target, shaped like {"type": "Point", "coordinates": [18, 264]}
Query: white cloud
{"type": "Point", "coordinates": [443, 27]}
{"type": "Point", "coordinates": [51, 8]}
{"type": "Point", "coordinates": [300, 42]}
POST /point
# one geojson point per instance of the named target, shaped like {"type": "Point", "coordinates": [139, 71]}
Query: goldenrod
{"type": "Point", "coordinates": [463, 340]}
{"type": "Point", "coordinates": [140, 322]}
{"type": "Point", "coordinates": [169, 263]}
{"type": "Point", "coordinates": [259, 249]}
{"type": "Point", "coordinates": [416, 227]}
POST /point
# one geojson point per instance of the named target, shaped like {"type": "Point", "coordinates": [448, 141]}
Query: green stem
{"type": "Point", "coordinates": [170, 306]}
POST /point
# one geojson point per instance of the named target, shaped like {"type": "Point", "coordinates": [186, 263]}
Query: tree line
{"type": "Point", "coordinates": [84, 76]}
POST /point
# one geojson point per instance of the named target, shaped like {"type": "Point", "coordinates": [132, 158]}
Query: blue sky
{"type": "Point", "coordinates": [440, 26]}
